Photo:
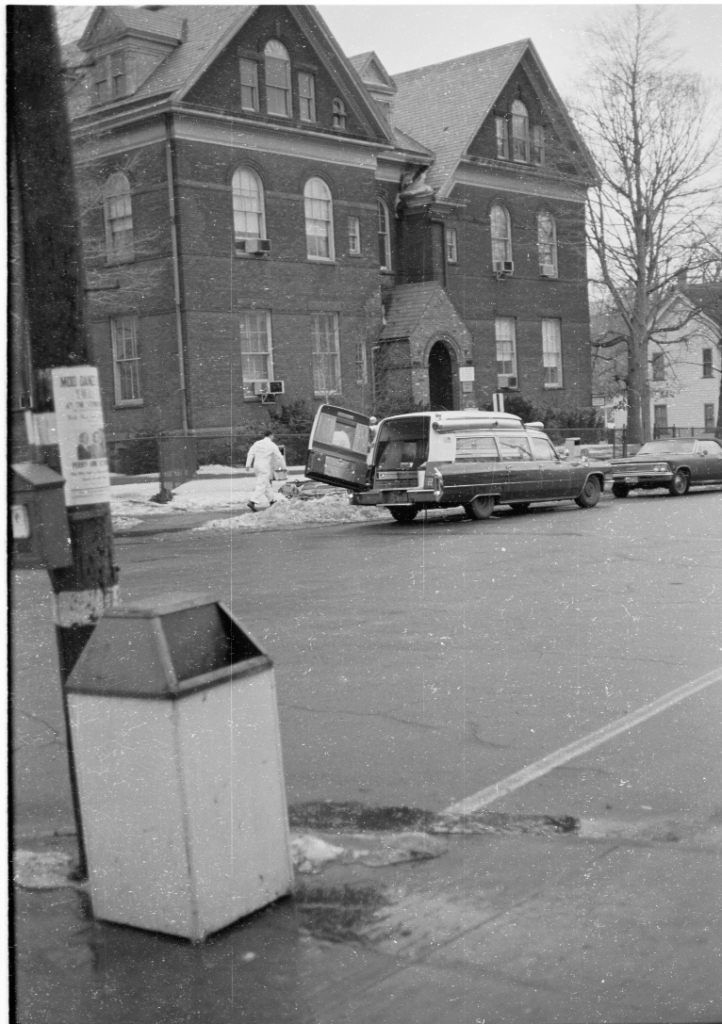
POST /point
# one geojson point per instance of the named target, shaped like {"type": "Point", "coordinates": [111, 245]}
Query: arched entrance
{"type": "Point", "coordinates": [441, 385]}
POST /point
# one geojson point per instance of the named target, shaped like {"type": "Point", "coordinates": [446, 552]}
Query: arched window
{"type": "Point", "coordinates": [500, 236]}
{"type": "Point", "coordinates": [249, 220]}
{"type": "Point", "coordinates": [339, 114]}
{"type": "Point", "coordinates": [118, 218]}
{"type": "Point", "coordinates": [547, 244]}
{"type": "Point", "coordinates": [384, 235]}
{"type": "Point", "coordinates": [318, 208]}
{"type": "Point", "coordinates": [278, 78]}
{"type": "Point", "coordinates": [519, 132]}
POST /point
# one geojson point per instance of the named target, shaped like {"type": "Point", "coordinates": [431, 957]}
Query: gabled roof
{"type": "Point", "coordinates": [134, 19]}
{"type": "Point", "coordinates": [409, 303]}
{"type": "Point", "coordinates": [444, 105]}
{"type": "Point", "coordinates": [708, 297]}
{"type": "Point", "coordinates": [371, 71]}
{"type": "Point", "coordinates": [201, 33]}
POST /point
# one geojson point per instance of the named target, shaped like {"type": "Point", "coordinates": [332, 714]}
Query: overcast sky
{"type": "Point", "coordinates": [412, 35]}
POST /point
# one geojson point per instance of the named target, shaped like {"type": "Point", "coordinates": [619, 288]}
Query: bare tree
{"type": "Point", "coordinates": [650, 128]}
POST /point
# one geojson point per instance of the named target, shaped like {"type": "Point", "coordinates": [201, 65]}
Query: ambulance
{"type": "Point", "coordinates": [429, 460]}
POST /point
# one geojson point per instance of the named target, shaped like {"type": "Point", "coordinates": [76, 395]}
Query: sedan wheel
{"type": "Point", "coordinates": [480, 508]}
{"type": "Point", "coordinates": [591, 493]}
{"type": "Point", "coordinates": [680, 484]}
{"type": "Point", "coordinates": [404, 513]}
{"type": "Point", "coordinates": [620, 490]}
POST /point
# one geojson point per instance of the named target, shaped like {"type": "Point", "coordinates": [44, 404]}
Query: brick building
{"type": "Point", "coordinates": [259, 208]}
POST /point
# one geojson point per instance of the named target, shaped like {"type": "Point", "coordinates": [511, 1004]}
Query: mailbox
{"type": "Point", "coordinates": [39, 518]}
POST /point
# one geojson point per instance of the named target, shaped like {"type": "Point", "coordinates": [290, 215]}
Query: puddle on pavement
{"type": "Point", "coordinates": [330, 816]}
{"type": "Point", "coordinates": [339, 913]}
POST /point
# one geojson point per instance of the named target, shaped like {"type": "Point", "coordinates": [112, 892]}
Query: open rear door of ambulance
{"type": "Point", "coordinates": [338, 447]}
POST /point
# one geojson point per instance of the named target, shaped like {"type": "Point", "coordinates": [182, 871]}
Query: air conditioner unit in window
{"type": "Point", "coordinates": [258, 245]}
{"type": "Point", "coordinates": [260, 387]}
{"type": "Point", "coordinates": [504, 380]}
{"type": "Point", "coordinates": [503, 268]}
{"type": "Point", "coordinates": [547, 270]}
{"type": "Point", "coordinates": [508, 267]}
{"type": "Point", "coordinates": [268, 399]}
{"type": "Point", "coordinates": [276, 387]}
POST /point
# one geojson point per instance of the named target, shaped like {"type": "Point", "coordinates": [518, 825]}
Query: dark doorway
{"type": "Point", "coordinates": [441, 387]}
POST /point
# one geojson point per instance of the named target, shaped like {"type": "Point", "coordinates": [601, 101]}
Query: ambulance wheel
{"type": "Point", "coordinates": [590, 493]}
{"type": "Point", "coordinates": [403, 513]}
{"type": "Point", "coordinates": [480, 508]}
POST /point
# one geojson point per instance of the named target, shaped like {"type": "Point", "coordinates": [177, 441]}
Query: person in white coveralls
{"type": "Point", "coordinates": [265, 458]}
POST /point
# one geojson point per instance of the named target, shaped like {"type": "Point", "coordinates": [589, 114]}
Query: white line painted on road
{"type": "Point", "coordinates": [586, 743]}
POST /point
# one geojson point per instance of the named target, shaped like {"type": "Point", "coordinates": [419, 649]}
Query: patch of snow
{"type": "Point", "coordinates": [332, 508]}
{"type": "Point", "coordinates": [49, 870]}
{"type": "Point", "coordinates": [309, 853]}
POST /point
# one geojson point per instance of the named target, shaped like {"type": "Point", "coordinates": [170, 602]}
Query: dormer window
{"type": "Point", "coordinates": [339, 114]}
{"type": "Point", "coordinates": [519, 132]}
{"type": "Point", "coordinates": [110, 78]}
{"type": "Point", "coordinates": [278, 78]}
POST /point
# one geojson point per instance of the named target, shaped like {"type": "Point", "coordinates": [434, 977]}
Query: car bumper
{"type": "Point", "coordinates": [643, 479]}
{"type": "Point", "coordinates": [395, 496]}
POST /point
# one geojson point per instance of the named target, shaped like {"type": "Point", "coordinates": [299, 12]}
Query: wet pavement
{"type": "Point", "coordinates": [498, 918]}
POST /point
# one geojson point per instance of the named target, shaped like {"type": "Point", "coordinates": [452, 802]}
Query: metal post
{"type": "Point", "coordinates": [54, 300]}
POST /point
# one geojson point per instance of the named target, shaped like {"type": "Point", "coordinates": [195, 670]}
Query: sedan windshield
{"type": "Point", "coordinates": [669, 446]}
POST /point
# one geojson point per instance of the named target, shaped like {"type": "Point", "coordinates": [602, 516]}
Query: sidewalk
{"type": "Point", "coordinates": [502, 926]}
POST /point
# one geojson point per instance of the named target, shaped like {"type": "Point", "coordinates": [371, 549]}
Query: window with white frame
{"type": "Point", "coordinates": [318, 208]}
{"type": "Point", "coordinates": [552, 352]}
{"type": "Point", "coordinates": [126, 360]}
{"type": "Point", "coordinates": [502, 138]}
{"type": "Point", "coordinates": [361, 364]}
{"type": "Point", "coordinates": [249, 219]}
{"type": "Point", "coordinates": [277, 65]}
{"type": "Point", "coordinates": [384, 235]}
{"type": "Point", "coordinates": [326, 354]}
{"type": "Point", "coordinates": [500, 234]}
{"type": "Point", "coordinates": [249, 85]}
{"type": "Point", "coordinates": [339, 114]}
{"type": "Point", "coordinates": [450, 239]}
{"type": "Point", "coordinates": [505, 330]}
{"type": "Point", "coordinates": [256, 349]}
{"type": "Point", "coordinates": [354, 236]}
{"type": "Point", "coordinates": [538, 150]}
{"type": "Point", "coordinates": [706, 362]}
{"type": "Point", "coordinates": [306, 96]}
{"type": "Point", "coordinates": [547, 244]}
{"type": "Point", "coordinates": [660, 418]}
{"type": "Point", "coordinates": [519, 132]}
{"type": "Point", "coordinates": [709, 417]}
{"type": "Point", "coordinates": [118, 219]}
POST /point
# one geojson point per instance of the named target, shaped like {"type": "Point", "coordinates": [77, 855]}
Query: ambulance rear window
{"type": "Point", "coordinates": [403, 444]}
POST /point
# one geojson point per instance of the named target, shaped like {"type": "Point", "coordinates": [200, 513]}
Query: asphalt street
{"type": "Point", "coordinates": [418, 664]}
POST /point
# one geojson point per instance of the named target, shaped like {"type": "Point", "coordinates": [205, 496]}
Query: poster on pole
{"type": "Point", "coordinates": [81, 435]}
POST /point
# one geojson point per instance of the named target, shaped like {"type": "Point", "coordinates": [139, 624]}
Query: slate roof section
{"type": "Point", "coordinates": [445, 104]}
{"type": "Point", "coordinates": [409, 302]}
{"type": "Point", "coordinates": [207, 29]}
{"type": "Point", "coordinates": [143, 20]}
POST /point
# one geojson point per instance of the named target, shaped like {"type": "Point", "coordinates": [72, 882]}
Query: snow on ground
{"type": "Point", "coordinates": [332, 508]}
{"type": "Point", "coordinates": [210, 493]}
{"type": "Point", "coordinates": [229, 492]}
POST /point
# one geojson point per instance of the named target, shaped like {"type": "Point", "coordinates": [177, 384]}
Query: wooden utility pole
{"type": "Point", "coordinates": [54, 299]}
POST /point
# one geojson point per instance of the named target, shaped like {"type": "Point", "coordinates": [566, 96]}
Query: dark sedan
{"type": "Point", "coordinates": [676, 463]}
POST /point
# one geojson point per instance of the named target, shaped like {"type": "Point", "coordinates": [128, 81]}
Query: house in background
{"type": "Point", "coordinates": [684, 367]}
{"type": "Point", "coordinates": [686, 364]}
{"type": "Point", "coordinates": [267, 221]}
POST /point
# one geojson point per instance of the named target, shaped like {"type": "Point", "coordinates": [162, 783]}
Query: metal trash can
{"type": "Point", "coordinates": [178, 760]}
